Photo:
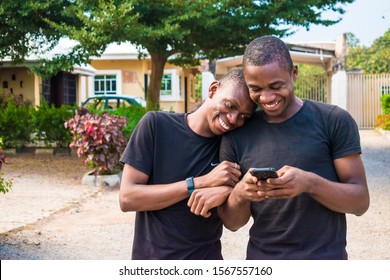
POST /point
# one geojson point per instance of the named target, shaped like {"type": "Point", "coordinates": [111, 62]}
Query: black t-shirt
{"type": "Point", "coordinates": [300, 227]}
{"type": "Point", "coordinates": [165, 148]}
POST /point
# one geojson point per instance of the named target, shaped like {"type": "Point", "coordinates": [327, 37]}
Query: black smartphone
{"type": "Point", "coordinates": [264, 173]}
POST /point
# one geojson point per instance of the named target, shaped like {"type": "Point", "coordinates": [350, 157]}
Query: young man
{"type": "Point", "coordinates": [171, 157]}
{"type": "Point", "coordinates": [315, 148]}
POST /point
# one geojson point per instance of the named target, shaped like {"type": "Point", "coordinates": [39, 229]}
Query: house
{"type": "Point", "coordinates": [119, 65]}
{"type": "Point", "coordinates": [118, 71]}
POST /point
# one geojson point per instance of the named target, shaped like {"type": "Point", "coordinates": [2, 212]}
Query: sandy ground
{"type": "Point", "coordinates": [82, 222]}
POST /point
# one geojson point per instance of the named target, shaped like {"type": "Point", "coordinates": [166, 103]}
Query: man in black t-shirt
{"type": "Point", "coordinates": [316, 150]}
{"type": "Point", "coordinates": [173, 179]}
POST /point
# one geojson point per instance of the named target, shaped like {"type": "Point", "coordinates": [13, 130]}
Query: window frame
{"type": "Point", "coordinates": [118, 81]}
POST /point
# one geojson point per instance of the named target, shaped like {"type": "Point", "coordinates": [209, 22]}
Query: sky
{"type": "Point", "coordinates": [367, 19]}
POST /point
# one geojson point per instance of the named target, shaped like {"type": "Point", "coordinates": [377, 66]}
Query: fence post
{"type": "Point", "coordinates": [339, 95]}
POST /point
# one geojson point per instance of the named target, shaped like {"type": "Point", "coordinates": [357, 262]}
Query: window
{"type": "Point", "coordinates": [105, 85]}
{"type": "Point", "coordinates": [166, 85]}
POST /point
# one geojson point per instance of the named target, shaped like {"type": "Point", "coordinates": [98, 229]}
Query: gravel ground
{"type": "Point", "coordinates": [50, 215]}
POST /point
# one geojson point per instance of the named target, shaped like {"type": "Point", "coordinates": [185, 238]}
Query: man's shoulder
{"type": "Point", "coordinates": [162, 115]}
{"type": "Point", "coordinates": [325, 108]}
{"type": "Point", "coordinates": [319, 105]}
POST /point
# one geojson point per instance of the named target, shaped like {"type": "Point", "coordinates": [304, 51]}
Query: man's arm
{"type": "Point", "coordinates": [235, 212]}
{"type": "Point", "coordinates": [350, 195]}
{"type": "Point", "coordinates": [136, 195]}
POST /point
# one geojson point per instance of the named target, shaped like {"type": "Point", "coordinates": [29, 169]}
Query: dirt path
{"type": "Point", "coordinates": [53, 216]}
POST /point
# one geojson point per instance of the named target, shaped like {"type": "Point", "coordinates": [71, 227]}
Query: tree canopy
{"type": "Point", "coordinates": [177, 30]}
{"type": "Point", "coordinates": [374, 59]}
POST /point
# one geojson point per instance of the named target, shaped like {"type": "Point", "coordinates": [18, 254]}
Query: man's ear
{"type": "Point", "coordinates": [295, 73]}
{"type": "Point", "coordinates": [213, 88]}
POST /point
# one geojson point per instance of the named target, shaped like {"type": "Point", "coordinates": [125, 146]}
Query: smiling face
{"type": "Point", "coordinates": [271, 87]}
{"type": "Point", "coordinates": [230, 106]}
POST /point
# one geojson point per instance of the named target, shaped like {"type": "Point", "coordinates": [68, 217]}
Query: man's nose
{"type": "Point", "coordinates": [233, 117]}
{"type": "Point", "coordinates": [266, 96]}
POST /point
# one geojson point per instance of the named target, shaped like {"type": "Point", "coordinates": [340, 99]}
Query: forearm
{"type": "Point", "coordinates": [350, 197]}
{"type": "Point", "coordinates": [234, 213]}
{"type": "Point", "coordinates": [138, 197]}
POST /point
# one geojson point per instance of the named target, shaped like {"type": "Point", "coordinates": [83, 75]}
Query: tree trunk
{"type": "Point", "coordinates": [153, 93]}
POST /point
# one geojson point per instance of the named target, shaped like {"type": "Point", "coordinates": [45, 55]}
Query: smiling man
{"type": "Point", "coordinates": [315, 148]}
{"type": "Point", "coordinates": [172, 177]}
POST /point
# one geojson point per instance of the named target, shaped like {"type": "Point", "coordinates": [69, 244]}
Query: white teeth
{"type": "Point", "coordinates": [224, 125]}
{"type": "Point", "coordinates": [271, 105]}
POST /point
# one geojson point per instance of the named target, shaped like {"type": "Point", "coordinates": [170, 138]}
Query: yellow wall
{"type": "Point", "coordinates": [22, 85]}
{"type": "Point", "coordinates": [132, 74]}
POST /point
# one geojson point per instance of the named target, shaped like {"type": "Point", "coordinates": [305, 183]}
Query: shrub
{"type": "Point", "coordinates": [49, 124]}
{"type": "Point", "coordinates": [385, 103]}
{"type": "Point", "coordinates": [133, 115]}
{"type": "Point", "coordinates": [99, 140]}
{"type": "Point", "coordinates": [15, 124]}
{"type": "Point", "coordinates": [383, 121]}
{"type": "Point", "coordinates": [5, 185]}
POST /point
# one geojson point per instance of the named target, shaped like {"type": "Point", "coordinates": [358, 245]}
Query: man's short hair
{"type": "Point", "coordinates": [265, 50]}
{"type": "Point", "coordinates": [235, 77]}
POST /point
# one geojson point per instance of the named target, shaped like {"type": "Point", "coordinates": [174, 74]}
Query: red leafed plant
{"type": "Point", "coordinates": [99, 140]}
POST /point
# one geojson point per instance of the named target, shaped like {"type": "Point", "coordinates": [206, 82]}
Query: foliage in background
{"type": "Point", "coordinates": [48, 122]}
{"type": "Point", "coordinates": [133, 115]}
{"type": "Point", "coordinates": [385, 103]}
{"type": "Point", "coordinates": [383, 120]}
{"type": "Point", "coordinates": [198, 88]}
{"type": "Point", "coordinates": [99, 140]}
{"type": "Point", "coordinates": [16, 124]}
{"type": "Point", "coordinates": [371, 60]}
{"type": "Point", "coordinates": [179, 31]}
{"type": "Point", "coordinates": [311, 83]}
{"type": "Point", "coordinates": [5, 185]}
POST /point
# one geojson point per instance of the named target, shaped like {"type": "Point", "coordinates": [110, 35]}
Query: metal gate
{"type": "Point", "coordinates": [363, 97]}
{"type": "Point", "coordinates": [313, 87]}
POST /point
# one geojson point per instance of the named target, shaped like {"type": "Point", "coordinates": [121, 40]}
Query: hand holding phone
{"type": "Point", "coordinates": [264, 173]}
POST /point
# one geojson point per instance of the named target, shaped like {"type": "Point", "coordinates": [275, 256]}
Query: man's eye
{"type": "Point", "coordinates": [229, 105]}
{"type": "Point", "coordinates": [244, 116]}
{"type": "Point", "coordinates": [254, 90]}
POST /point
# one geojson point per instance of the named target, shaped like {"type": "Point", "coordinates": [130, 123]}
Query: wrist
{"type": "Point", "coordinates": [190, 185]}
{"type": "Point", "coordinates": [198, 183]}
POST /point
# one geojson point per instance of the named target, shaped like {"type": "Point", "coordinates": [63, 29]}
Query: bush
{"type": "Point", "coordinates": [5, 185]}
{"type": "Point", "coordinates": [49, 124]}
{"type": "Point", "coordinates": [133, 115]}
{"type": "Point", "coordinates": [383, 121]}
{"type": "Point", "coordinates": [385, 103]}
{"type": "Point", "coordinates": [99, 140]}
{"type": "Point", "coordinates": [15, 124]}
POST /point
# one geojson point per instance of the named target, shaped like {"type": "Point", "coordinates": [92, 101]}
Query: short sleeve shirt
{"type": "Point", "coordinates": [167, 150]}
{"type": "Point", "coordinates": [300, 227]}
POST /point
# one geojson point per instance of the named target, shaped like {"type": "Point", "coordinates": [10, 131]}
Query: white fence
{"type": "Point", "coordinates": [363, 94]}
{"type": "Point", "coordinates": [363, 97]}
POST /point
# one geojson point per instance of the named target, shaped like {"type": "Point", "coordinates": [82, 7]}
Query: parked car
{"type": "Point", "coordinates": [113, 102]}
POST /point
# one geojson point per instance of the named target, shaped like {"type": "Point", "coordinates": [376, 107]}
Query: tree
{"type": "Point", "coordinates": [177, 30]}
{"type": "Point", "coordinates": [374, 59]}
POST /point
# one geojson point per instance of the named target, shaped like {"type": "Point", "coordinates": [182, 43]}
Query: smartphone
{"type": "Point", "coordinates": [264, 173]}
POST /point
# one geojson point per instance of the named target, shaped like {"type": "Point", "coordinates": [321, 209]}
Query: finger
{"type": "Point", "coordinates": [191, 200]}
{"type": "Point", "coordinates": [197, 209]}
{"type": "Point", "coordinates": [206, 215]}
{"type": "Point", "coordinates": [205, 212]}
